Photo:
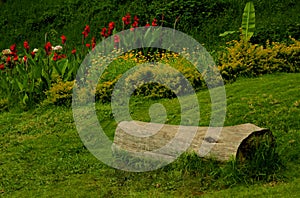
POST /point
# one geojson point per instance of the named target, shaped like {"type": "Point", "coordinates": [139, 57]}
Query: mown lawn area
{"type": "Point", "coordinates": [41, 154]}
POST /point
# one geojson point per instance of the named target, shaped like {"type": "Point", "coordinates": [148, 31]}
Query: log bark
{"type": "Point", "coordinates": [148, 139]}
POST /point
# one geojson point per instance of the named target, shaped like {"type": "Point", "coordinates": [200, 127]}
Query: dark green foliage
{"type": "Point", "coordinates": [204, 20]}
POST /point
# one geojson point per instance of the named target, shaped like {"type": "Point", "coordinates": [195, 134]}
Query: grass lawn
{"type": "Point", "coordinates": [41, 154]}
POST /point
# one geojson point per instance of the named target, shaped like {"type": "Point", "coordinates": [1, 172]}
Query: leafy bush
{"type": "Point", "coordinates": [245, 59]}
{"type": "Point", "coordinates": [60, 93]}
{"type": "Point", "coordinates": [104, 90]}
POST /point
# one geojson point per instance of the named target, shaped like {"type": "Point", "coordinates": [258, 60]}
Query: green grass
{"type": "Point", "coordinates": [41, 154]}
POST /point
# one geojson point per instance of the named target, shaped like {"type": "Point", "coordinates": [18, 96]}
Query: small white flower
{"type": "Point", "coordinates": [35, 50]}
{"type": "Point", "coordinates": [58, 47]}
{"type": "Point", "coordinates": [6, 52]}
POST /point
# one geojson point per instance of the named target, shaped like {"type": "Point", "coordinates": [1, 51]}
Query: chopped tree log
{"type": "Point", "coordinates": [167, 141]}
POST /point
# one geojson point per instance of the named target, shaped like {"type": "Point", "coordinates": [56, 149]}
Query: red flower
{"type": "Point", "coordinates": [85, 34]}
{"type": "Point", "coordinates": [86, 31]}
{"type": "Point", "coordinates": [2, 66]}
{"type": "Point", "coordinates": [13, 49]}
{"type": "Point", "coordinates": [48, 48]}
{"type": "Point", "coordinates": [109, 32]}
{"type": "Point", "coordinates": [8, 59]}
{"type": "Point", "coordinates": [32, 54]}
{"type": "Point", "coordinates": [111, 26]}
{"type": "Point", "coordinates": [63, 39]}
{"type": "Point", "coordinates": [93, 43]}
{"type": "Point", "coordinates": [136, 19]}
{"type": "Point", "coordinates": [74, 51]}
{"type": "Point", "coordinates": [154, 22]}
{"type": "Point", "coordinates": [135, 24]}
{"type": "Point", "coordinates": [26, 45]}
{"type": "Point", "coordinates": [62, 56]}
{"type": "Point", "coordinates": [25, 58]}
{"type": "Point", "coordinates": [16, 58]}
{"type": "Point", "coordinates": [55, 57]}
{"type": "Point", "coordinates": [147, 25]}
{"type": "Point", "coordinates": [103, 32]}
{"type": "Point", "coordinates": [88, 45]}
{"type": "Point", "coordinates": [126, 19]}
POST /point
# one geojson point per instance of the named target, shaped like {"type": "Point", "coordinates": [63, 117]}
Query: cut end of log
{"type": "Point", "coordinates": [257, 141]}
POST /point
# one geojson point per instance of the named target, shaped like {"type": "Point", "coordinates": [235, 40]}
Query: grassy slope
{"type": "Point", "coordinates": [42, 155]}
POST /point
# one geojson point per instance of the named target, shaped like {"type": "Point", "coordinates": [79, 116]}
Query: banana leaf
{"type": "Point", "coordinates": [248, 21]}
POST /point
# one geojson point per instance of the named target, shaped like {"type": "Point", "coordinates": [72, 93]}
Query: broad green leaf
{"type": "Point", "coordinates": [248, 21]}
{"type": "Point", "coordinates": [63, 70]}
{"type": "Point", "coordinates": [228, 32]}
{"type": "Point", "coordinates": [57, 68]}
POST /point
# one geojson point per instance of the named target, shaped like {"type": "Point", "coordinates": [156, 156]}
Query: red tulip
{"type": "Point", "coordinates": [48, 48]}
{"type": "Point", "coordinates": [8, 59]}
{"type": "Point", "coordinates": [13, 49]}
{"type": "Point", "coordinates": [16, 58]}
{"type": "Point", "coordinates": [103, 32]}
{"type": "Point", "coordinates": [55, 57]}
{"type": "Point", "coordinates": [109, 32]}
{"type": "Point", "coordinates": [111, 25]}
{"type": "Point", "coordinates": [93, 43]}
{"type": "Point", "coordinates": [74, 51]}
{"type": "Point", "coordinates": [85, 34]}
{"type": "Point", "coordinates": [88, 45]}
{"type": "Point", "coordinates": [147, 25]}
{"type": "Point", "coordinates": [62, 56]}
{"type": "Point", "coordinates": [126, 19]}
{"type": "Point", "coordinates": [86, 31]}
{"type": "Point", "coordinates": [25, 58]}
{"type": "Point", "coordinates": [26, 45]}
{"type": "Point", "coordinates": [1, 66]}
{"type": "Point", "coordinates": [135, 24]}
{"type": "Point", "coordinates": [63, 39]}
{"type": "Point", "coordinates": [154, 22]}
{"type": "Point", "coordinates": [32, 54]}
{"type": "Point", "coordinates": [136, 19]}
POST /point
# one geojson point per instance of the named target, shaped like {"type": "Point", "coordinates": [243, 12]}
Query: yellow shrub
{"type": "Point", "coordinates": [60, 93]}
{"type": "Point", "coordinates": [104, 90]}
{"type": "Point", "coordinates": [245, 59]}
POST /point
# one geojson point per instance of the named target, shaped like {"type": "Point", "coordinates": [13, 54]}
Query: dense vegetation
{"type": "Point", "coordinates": [204, 20]}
